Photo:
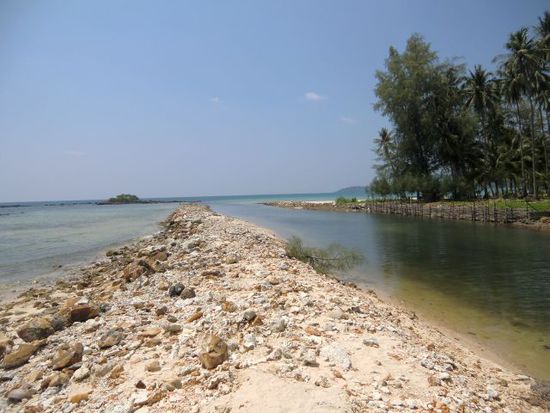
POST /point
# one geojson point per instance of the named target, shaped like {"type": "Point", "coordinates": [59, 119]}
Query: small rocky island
{"type": "Point", "coordinates": [123, 199]}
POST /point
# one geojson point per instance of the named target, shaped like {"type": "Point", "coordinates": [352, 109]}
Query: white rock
{"type": "Point", "coordinates": [81, 373]}
{"type": "Point", "coordinates": [336, 355]}
{"type": "Point", "coordinates": [249, 341]}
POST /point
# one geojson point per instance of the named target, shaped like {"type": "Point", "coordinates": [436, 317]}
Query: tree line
{"type": "Point", "coordinates": [462, 134]}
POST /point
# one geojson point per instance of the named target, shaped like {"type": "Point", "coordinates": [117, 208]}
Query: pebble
{"type": "Point", "coordinates": [371, 342]}
{"type": "Point", "coordinates": [152, 366]}
{"type": "Point", "coordinates": [176, 289]}
{"type": "Point", "coordinates": [249, 341]}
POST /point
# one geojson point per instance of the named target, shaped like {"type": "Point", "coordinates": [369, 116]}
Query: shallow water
{"type": "Point", "coordinates": [491, 283]}
{"type": "Point", "coordinates": [36, 238]}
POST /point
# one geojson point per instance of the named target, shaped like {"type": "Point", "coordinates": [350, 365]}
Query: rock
{"type": "Point", "coordinates": [101, 370]}
{"type": "Point", "coordinates": [276, 354]}
{"type": "Point", "coordinates": [174, 382]}
{"type": "Point", "coordinates": [249, 341]}
{"type": "Point", "coordinates": [492, 393]}
{"type": "Point", "coordinates": [5, 344]}
{"type": "Point", "coordinates": [309, 358]}
{"type": "Point", "coordinates": [231, 258]}
{"type": "Point", "coordinates": [187, 293]}
{"type": "Point", "coordinates": [176, 289]}
{"type": "Point", "coordinates": [279, 325]}
{"type": "Point", "coordinates": [371, 342]}
{"type": "Point", "coordinates": [215, 354]}
{"type": "Point", "coordinates": [150, 332]}
{"type": "Point", "coordinates": [135, 270]}
{"type": "Point", "coordinates": [67, 355]}
{"type": "Point", "coordinates": [22, 354]}
{"type": "Point", "coordinates": [337, 355]}
{"type": "Point", "coordinates": [60, 321]}
{"type": "Point", "coordinates": [20, 394]}
{"type": "Point", "coordinates": [78, 396]}
{"type": "Point", "coordinates": [110, 338]}
{"type": "Point", "coordinates": [81, 373]}
{"type": "Point", "coordinates": [433, 380]}
{"type": "Point", "coordinates": [337, 314]}
{"type": "Point", "coordinates": [56, 379]}
{"type": "Point", "coordinates": [161, 310]}
{"type": "Point", "coordinates": [195, 316]}
{"type": "Point", "coordinates": [173, 328]}
{"type": "Point", "coordinates": [82, 312]}
{"type": "Point", "coordinates": [312, 331]}
{"type": "Point", "coordinates": [229, 306]}
{"type": "Point", "coordinates": [116, 371]}
{"type": "Point", "coordinates": [152, 366]}
{"type": "Point", "coordinates": [249, 316]}
{"type": "Point", "coordinates": [160, 256]}
{"type": "Point", "coordinates": [36, 329]}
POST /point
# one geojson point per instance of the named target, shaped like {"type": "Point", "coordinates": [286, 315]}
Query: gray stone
{"type": "Point", "coordinates": [176, 290]}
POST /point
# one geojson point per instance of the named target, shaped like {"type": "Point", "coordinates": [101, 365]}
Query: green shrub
{"type": "Point", "coordinates": [324, 260]}
{"type": "Point", "coordinates": [342, 200]}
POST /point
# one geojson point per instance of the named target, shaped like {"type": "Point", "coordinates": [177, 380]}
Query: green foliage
{"type": "Point", "coordinates": [123, 199]}
{"type": "Point", "coordinates": [334, 258]}
{"type": "Point", "coordinates": [465, 135]}
{"type": "Point", "coordinates": [341, 200]}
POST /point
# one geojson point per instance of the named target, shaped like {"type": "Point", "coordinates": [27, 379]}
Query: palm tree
{"type": "Point", "coordinates": [542, 84]}
{"type": "Point", "coordinates": [522, 64]}
{"type": "Point", "coordinates": [384, 144]}
{"type": "Point", "coordinates": [480, 93]}
{"type": "Point", "coordinates": [511, 90]}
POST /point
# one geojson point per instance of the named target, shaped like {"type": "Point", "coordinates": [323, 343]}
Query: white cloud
{"type": "Point", "coordinates": [348, 120]}
{"type": "Point", "coordinates": [216, 99]}
{"type": "Point", "coordinates": [314, 97]}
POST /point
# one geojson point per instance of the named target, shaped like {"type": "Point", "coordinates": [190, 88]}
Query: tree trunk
{"type": "Point", "coordinates": [524, 186]}
{"type": "Point", "coordinates": [533, 148]}
{"type": "Point", "coordinates": [543, 139]}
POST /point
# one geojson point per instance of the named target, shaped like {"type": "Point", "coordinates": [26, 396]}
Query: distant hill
{"type": "Point", "coordinates": [352, 190]}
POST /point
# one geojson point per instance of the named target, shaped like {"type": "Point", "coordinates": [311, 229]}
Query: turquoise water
{"type": "Point", "coordinates": [489, 283]}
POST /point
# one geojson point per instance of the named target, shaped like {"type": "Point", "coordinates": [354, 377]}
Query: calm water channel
{"type": "Point", "coordinates": [489, 283]}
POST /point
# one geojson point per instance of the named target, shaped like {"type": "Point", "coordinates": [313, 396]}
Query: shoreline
{"type": "Point", "coordinates": [504, 218]}
{"type": "Point", "coordinates": [324, 344]}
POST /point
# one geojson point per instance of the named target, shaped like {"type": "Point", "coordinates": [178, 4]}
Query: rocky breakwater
{"type": "Point", "coordinates": [319, 205]}
{"type": "Point", "coordinates": [210, 315]}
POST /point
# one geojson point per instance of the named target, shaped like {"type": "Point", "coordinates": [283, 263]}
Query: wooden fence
{"type": "Point", "coordinates": [479, 212]}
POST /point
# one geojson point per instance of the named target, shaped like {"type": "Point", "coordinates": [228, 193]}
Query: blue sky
{"type": "Point", "coordinates": [181, 98]}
